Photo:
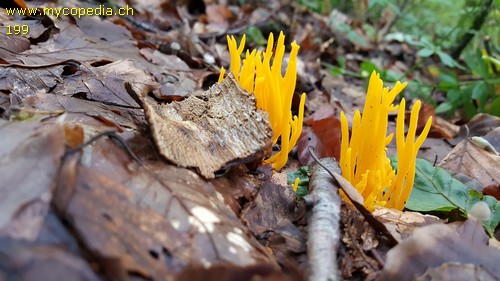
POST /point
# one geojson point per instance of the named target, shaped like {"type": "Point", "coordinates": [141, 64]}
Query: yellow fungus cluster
{"type": "Point", "coordinates": [273, 91]}
{"type": "Point", "coordinates": [363, 159]}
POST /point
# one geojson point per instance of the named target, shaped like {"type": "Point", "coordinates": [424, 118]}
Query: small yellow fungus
{"type": "Point", "coordinates": [295, 184]}
{"type": "Point", "coordinates": [273, 91]}
{"type": "Point", "coordinates": [363, 159]}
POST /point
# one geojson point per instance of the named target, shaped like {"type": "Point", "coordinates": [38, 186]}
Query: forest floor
{"type": "Point", "coordinates": [102, 177]}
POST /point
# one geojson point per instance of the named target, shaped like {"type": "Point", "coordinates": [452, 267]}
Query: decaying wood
{"type": "Point", "coordinates": [213, 131]}
{"type": "Point", "coordinates": [324, 233]}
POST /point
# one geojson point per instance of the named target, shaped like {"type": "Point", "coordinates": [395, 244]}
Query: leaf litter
{"type": "Point", "coordinates": [98, 213]}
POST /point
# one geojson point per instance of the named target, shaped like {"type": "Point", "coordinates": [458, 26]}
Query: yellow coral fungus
{"type": "Point", "coordinates": [295, 184]}
{"type": "Point", "coordinates": [273, 91]}
{"type": "Point", "coordinates": [363, 157]}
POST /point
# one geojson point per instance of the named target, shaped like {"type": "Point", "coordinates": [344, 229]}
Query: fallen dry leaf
{"type": "Point", "coordinates": [272, 216]}
{"type": "Point", "coordinates": [82, 34]}
{"type": "Point", "coordinates": [475, 162]}
{"type": "Point", "coordinates": [480, 125]}
{"type": "Point", "coordinates": [324, 135]}
{"type": "Point", "coordinates": [273, 211]}
{"type": "Point", "coordinates": [402, 224]}
{"type": "Point", "coordinates": [30, 156]}
{"type": "Point", "coordinates": [151, 221]}
{"type": "Point", "coordinates": [358, 239]}
{"type": "Point", "coordinates": [12, 43]}
{"type": "Point", "coordinates": [30, 261]}
{"type": "Point", "coordinates": [99, 83]}
{"type": "Point", "coordinates": [434, 245]}
{"type": "Point", "coordinates": [107, 83]}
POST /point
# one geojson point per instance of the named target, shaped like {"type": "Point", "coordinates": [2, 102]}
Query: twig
{"type": "Point", "coordinates": [324, 234]}
{"type": "Point", "coordinates": [112, 135]}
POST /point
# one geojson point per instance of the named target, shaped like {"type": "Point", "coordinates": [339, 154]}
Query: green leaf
{"type": "Point", "coordinates": [301, 191]}
{"type": "Point", "coordinates": [449, 77]}
{"type": "Point", "coordinates": [479, 93]}
{"type": "Point", "coordinates": [426, 43]}
{"type": "Point", "coordinates": [447, 59]}
{"type": "Point", "coordinates": [255, 35]}
{"type": "Point", "coordinates": [369, 67]}
{"type": "Point", "coordinates": [425, 52]}
{"type": "Point", "coordinates": [343, 27]}
{"type": "Point", "coordinates": [336, 71]}
{"type": "Point", "coordinates": [479, 90]}
{"type": "Point", "coordinates": [303, 174]}
{"type": "Point", "coordinates": [494, 107]}
{"type": "Point", "coordinates": [476, 63]}
{"type": "Point", "coordinates": [444, 107]}
{"type": "Point", "coordinates": [467, 103]}
{"type": "Point", "coordinates": [369, 30]}
{"type": "Point", "coordinates": [355, 38]}
{"type": "Point", "coordinates": [341, 62]}
{"type": "Point", "coordinates": [435, 189]}
{"type": "Point", "coordinates": [453, 96]}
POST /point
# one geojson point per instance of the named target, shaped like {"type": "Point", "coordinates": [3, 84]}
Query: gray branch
{"type": "Point", "coordinates": [323, 229]}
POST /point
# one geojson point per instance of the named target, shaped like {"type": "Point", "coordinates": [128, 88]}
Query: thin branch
{"type": "Point", "coordinates": [324, 233]}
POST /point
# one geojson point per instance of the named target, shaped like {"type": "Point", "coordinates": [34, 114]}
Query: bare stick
{"type": "Point", "coordinates": [324, 234]}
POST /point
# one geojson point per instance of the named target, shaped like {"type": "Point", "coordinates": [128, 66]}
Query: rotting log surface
{"type": "Point", "coordinates": [213, 131]}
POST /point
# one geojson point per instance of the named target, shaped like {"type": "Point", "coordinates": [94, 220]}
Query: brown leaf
{"type": "Point", "coordinates": [358, 238]}
{"type": "Point", "coordinates": [218, 14]}
{"type": "Point", "coordinates": [169, 61]}
{"type": "Point", "coordinates": [261, 272]}
{"type": "Point", "coordinates": [324, 135]}
{"type": "Point", "coordinates": [22, 260]}
{"type": "Point", "coordinates": [107, 83]}
{"type": "Point", "coordinates": [454, 271]}
{"type": "Point", "coordinates": [30, 156]}
{"type": "Point", "coordinates": [434, 245]}
{"type": "Point", "coordinates": [440, 127]}
{"type": "Point", "coordinates": [73, 38]}
{"type": "Point", "coordinates": [79, 112]}
{"type": "Point", "coordinates": [210, 132]}
{"type": "Point", "coordinates": [98, 27]}
{"type": "Point", "coordinates": [151, 222]}
{"type": "Point", "coordinates": [402, 224]}
{"type": "Point", "coordinates": [475, 162]}
{"type": "Point", "coordinates": [493, 190]}
{"type": "Point", "coordinates": [104, 83]}
{"type": "Point", "coordinates": [11, 44]}
{"type": "Point", "coordinates": [272, 210]}
{"type": "Point", "coordinates": [272, 217]}
{"type": "Point", "coordinates": [23, 82]}
{"type": "Point", "coordinates": [480, 125]}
